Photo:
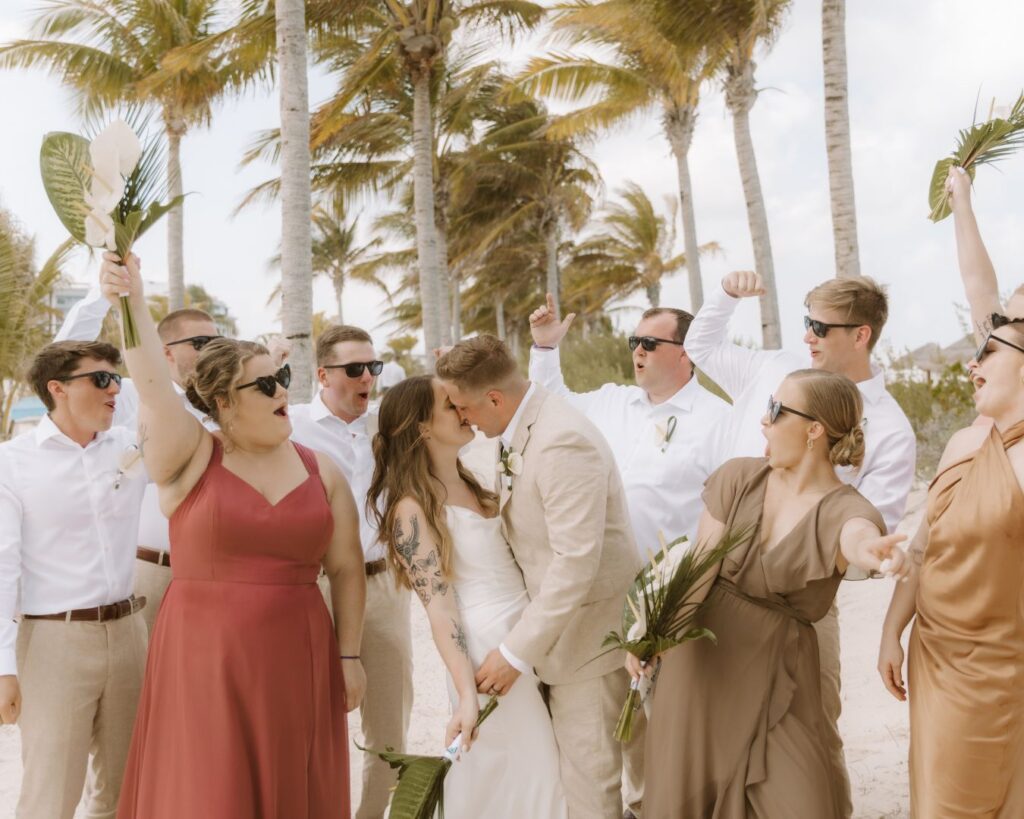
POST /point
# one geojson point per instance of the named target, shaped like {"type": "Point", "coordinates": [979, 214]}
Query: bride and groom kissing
{"type": "Point", "coordinates": [521, 573]}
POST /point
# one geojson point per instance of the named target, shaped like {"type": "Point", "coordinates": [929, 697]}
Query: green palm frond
{"type": "Point", "coordinates": [981, 144]}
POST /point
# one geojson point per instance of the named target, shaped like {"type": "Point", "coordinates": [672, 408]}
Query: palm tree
{"type": "Point", "coordinates": [648, 69]}
{"type": "Point", "coordinates": [115, 53]}
{"type": "Point", "coordinates": [837, 138]}
{"type": "Point", "coordinates": [634, 251]}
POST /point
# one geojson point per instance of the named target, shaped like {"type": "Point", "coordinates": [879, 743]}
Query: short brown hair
{"type": "Point", "coordinates": [168, 325]}
{"type": "Point", "coordinates": [218, 368]}
{"type": "Point", "coordinates": [682, 318]}
{"type": "Point", "coordinates": [482, 362]}
{"type": "Point", "coordinates": [58, 360]}
{"type": "Point", "coordinates": [336, 334]}
{"type": "Point", "coordinates": [859, 299]}
{"type": "Point", "coordinates": [836, 403]}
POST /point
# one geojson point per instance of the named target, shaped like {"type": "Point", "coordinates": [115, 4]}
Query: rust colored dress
{"type": "Point", "coordinates": [737, 728]}
{"type": "Point", "coordinates": [966, 667]}
{"type": "Point", "coordinates": [242, 714]}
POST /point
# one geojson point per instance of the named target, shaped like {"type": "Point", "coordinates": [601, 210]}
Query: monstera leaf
{"type": "Point", "coordinates": [67, 174]}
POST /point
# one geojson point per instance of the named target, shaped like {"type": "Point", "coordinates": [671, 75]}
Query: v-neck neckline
{"type": "Point", "coordinates": [266, 500]}
{"type": "Point", "coordinates": [764, 551]}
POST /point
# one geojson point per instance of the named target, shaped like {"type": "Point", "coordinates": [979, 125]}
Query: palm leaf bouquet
{"type": "Point", "coordinates": [105, 191]}
{"type": "Point", "coordinates": [981, 144]}
{"type": "Point", "coordinates": [419, 793]}
{"type": "Point", "coordinates": [661, 609]}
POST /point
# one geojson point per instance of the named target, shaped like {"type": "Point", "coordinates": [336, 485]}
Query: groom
{"type": "Point", "coordinates": [564, 513]}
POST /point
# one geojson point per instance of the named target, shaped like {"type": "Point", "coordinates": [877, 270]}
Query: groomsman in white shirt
{"type": "Point", "coordinates": [658, 430]}
{"type": "Point", "coordinates": [184, 333]}
{"type": "Point", "coordinates": [71, 670]}
{"type": "Point", "coordinates": [843, 323]}
{"type": "Point", "coordinates": [336, 422]}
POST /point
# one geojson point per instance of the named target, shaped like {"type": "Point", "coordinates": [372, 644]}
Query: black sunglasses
{"type": "Point", "coordinates": [821, 328]}
{"type": "Point", "coordinates": [100, 378]}
{"type": "Point", "coordinates": [197, 342]}
{"type": "Point", "coordinates": [650, 343]}
{"type": "Point", "coordinates": [983, 350]}
{"type": "Point", "coordinates": [776, 408]}
{"type": "Point", "coordinates": [999, 320]}
{"type": "Point", "coordinates": [267, 384]}
{"type": "Point", "coordinates": [355, 369]}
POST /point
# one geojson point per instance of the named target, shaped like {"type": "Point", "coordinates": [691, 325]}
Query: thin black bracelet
{"type": "Point", "coordinates": [349, 656]}
{"type": "Point", "coordinates": [541, 347]}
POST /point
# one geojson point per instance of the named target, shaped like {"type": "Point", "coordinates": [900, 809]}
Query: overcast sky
{"type": "Point", "coordinates": [915, 70]}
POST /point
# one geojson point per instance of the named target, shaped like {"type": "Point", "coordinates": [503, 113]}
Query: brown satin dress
{"type": "Point", "coordinates": [966, 667]}
{"type": "Point", "coordinates": [737, 729]}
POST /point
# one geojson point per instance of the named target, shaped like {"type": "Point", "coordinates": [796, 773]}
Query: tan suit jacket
{"type": "Point", "coordinates": [566, 520]}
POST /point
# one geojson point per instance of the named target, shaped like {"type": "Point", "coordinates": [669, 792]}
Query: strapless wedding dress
{"type": "Point", "coordinates": [511, 772]}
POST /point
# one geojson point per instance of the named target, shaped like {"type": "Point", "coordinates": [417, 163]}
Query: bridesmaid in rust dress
{"type": "Point", "coordinates": [243, 708]}
{"type": "Point", "coordinates": [737, 729]}
{"type": "Point", "coordinates": [966, 668]}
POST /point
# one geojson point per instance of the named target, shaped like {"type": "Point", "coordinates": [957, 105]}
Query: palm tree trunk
{"type": "Point", "coordinates": [339, 292]}
{"type": "Point", "coordinates": [499, 315]}
{"type": "Point", "coordinates": [444, 299]}
{"type": "Point", "coordinates": [740, 95]}
{"type": "Point", "coordinates": [551, 252]}
{"type": "Point", "coordinates": [654, 294]}
{"type": "Point", "coordinates": [679, 125]}
{"type": "Point", "coordinates": [175, 129]}
{"type": "Point", "coordinates": [296, 218]}
{"type": "Point", "coordinates": [423, 196]}
{"type": "Point", "coordinates": [837, 138]}
{"type": "Point", "coordinates": [456, 286]}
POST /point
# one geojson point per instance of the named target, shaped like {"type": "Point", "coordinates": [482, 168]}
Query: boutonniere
{"type": "Point", "coordinates": [664, 432]}
{"type": "Point", "coordinates": [511, 465]}
{"type": "Point", "coordinates": [130, 465]}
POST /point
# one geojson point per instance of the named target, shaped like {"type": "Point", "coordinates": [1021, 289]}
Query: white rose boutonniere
{"type": "Point", "coordinates": [663, 432]}
{"type": "Point", "coordinates": [129, 466]}
{"type": "Point", "coordinates": [511, 465]}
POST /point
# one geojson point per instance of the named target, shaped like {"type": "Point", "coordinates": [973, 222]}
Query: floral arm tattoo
{"type": "Point", "coordinates": [459, 636]}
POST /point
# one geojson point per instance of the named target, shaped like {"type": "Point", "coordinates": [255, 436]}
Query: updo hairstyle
{"type": "Point", "coordinates": [218, 369]}
{"type": "Point", "coordinates": [835, 401]}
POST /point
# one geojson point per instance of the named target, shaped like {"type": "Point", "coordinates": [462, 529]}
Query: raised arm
{"type": "Point", "coordinates": [861, 544]}
{"type": "Point", "coordinates": [343, 565]}
{"type": "Point", "coordinates": [545, 362]}
{"type": "Point", "coordinates": [171, 438]}
{"type": "Point", "coordinates": [415, 549]}
{"type": "Point", "coordinates": [84, 320]}
{"type": "Point", "coordinates": [976, 270]}
{"type": "Point", "coordinates": [889, 481]}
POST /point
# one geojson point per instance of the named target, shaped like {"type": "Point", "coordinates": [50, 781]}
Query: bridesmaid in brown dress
{"type": "Point", "coordinates": [737, 728]}
{"type": "Point", "coordinates": [966, 668]}
{"type": "Point", "coordinates": [243, 707]}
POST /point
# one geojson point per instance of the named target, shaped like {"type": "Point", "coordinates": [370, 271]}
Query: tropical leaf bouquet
{"type": "Point", "coordinates": [419, 793]}
{"type": "Point", "coordinates": [105, 192]}
{"type": "Point", "coordinates": [660, 610]}
{"type": "Point", "coordinates": [982, 144]}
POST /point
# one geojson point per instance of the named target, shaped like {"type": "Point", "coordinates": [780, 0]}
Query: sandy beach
{"type": "Point", "coordinates": [874, 725]}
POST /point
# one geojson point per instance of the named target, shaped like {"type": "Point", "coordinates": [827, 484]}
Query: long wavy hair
{"type": "Point", "coordinates": [402, 469]}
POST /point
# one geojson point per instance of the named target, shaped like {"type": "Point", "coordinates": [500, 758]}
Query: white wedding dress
{"type": "Point", "coordinates": [511, 772]}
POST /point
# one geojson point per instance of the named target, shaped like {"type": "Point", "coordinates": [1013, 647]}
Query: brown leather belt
{"type": "Point", "coordinates": [153, 556]}
{"type": "Point", "coordinates": [376, 567]}
{"type": "Point", "coordinates": [97, 614]}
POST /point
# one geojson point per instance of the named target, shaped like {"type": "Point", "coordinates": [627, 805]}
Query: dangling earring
{"type": "Point", "coordinates": [810, 443]}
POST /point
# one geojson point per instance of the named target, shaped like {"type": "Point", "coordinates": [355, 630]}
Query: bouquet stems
{"type": "Point", "coordinates": [624, 727]}
{"type": "Point", "coordinates": [128, 327]}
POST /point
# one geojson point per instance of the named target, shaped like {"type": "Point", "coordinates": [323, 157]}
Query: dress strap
{"type": "Point", "coordinates": [308, 457]}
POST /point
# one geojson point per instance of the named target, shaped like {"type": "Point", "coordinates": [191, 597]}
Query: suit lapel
{"type": "Point", "coordinates": [520, 441]}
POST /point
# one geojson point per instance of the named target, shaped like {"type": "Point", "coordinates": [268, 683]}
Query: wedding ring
{"type": "Point", "coordinates": [492, 690]}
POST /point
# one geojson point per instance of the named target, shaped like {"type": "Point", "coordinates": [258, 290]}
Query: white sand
{"type": "Point", "coordinates": [874, 725]}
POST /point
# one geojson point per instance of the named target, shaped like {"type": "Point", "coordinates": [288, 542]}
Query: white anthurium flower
{"type": "Point", "coordinates": [515, 463]}
{"type": "Point", "coordinates": [99, 230]}
{"type": "Point", "coordinates": [130, 465]}
{"type": "Point", "coordinates": [116, 148]}
{"type": "Point", "coordinates": [105, 191]}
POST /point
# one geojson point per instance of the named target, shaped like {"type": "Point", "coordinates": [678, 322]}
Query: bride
{"type": "Point", "coordinates": [444, 540]}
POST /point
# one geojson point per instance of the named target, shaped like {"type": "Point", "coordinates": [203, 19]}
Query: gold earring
{"type": "Point", "coordinates": [810, 443]}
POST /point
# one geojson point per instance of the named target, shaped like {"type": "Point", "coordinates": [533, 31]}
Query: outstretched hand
{"type": "Point", "coordinates": [118, 280]}
{"type": "Point", "coordinates": [741, 284]}
{"type": "Point", "coordinates": [887, 557]}
{"type": "Point", "coordinates": [546, 329]}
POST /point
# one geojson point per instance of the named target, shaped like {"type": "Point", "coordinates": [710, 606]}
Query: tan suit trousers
{"type": "Point", "coordinates": [387, 660]}
{"type": "Point", "coordinates": [80, 685]}
{"type": "Point", "coordinates": [151, 582]}
{"type": "Point", "coordinates": [584, 715]}
{"type": "Point", "coordinates": [827, 629]}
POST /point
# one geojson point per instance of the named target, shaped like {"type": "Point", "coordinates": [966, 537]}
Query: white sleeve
{"type": "Point", "coordinates": [10, 577]}
{"type": "Point", "coordinates": [888, 483]}
{"type": "Point", "coordinates": [546, 370]}
{"type": "Point", "coordinates": [84, 320]}
{"type": "Point", "coordinates": [729, 365]}
{"type": "Point", "coordinates": [514, 661]}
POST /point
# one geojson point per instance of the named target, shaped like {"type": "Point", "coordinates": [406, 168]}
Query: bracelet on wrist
{"type": "Point", "coordinates": [349, 656]}
{"type": "Point", "coordinates": [542, 347]}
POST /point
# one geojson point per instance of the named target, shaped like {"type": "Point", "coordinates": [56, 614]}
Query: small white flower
{"type": "Point", "coordinates": [129, 466]}
{"type": "Point", "coordinates": [515, 463]}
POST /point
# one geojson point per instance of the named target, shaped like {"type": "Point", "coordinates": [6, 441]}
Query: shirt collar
{"type": "Point", "coordinates": [318, 411]}
{"type": "Point", "coordinates": [510, 431]}
{"type": "Point", "coordinates": [682, 400]}
{"type": "Point", "coordinates": [47, 430]}
{"type": "Point", "coordinates": [873, 389]}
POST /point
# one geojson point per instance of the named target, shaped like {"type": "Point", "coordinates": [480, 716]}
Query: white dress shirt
{"type": "Point", "coordinates": [663, 479]}
{"type": "Point", "coordinates": [391, 375]}
{"type": "Point", "coordinates": [67, 536]}
{"type": "Point", "coordinates": [349, 446]}
{"type": "Point", "coordinates": [751, 376]}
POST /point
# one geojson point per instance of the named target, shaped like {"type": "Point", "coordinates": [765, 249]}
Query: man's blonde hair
{"type": "Point", "coordinates": [480, 363]}
{"type": "Point", "coordinates": [858, 299]}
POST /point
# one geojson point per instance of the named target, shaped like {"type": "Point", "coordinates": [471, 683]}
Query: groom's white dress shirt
{"type": "Point", "coordinates": [67, 536]}
{"type": "Point", "coordinates": [750, 377]}
{"type": "Point", "coordinates": [663, 479]}
{"type": "Point", "coordinates": [350, 447]}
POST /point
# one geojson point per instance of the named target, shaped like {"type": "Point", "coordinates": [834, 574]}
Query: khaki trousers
{"type": "Point", "coordinates": [80, 685]}
{"type": "Point", "coordinates": [827, 629]}
{"type": "Point", "coordinates": [387, 660]}
{"type": "Point", "coordinates": [151, 582]}
{"type": "Point", "coordinates": [584, 715]}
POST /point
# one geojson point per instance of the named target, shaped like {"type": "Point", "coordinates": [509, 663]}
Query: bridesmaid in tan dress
{"type": "Point", "coordinates": [736, 729]}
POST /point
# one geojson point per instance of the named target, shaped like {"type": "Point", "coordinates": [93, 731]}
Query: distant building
{"type": "Point", "coordinates": [63, 299]}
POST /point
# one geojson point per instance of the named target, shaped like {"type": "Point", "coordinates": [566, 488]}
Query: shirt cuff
{"type": "Point", "coordinates": [514, 661]}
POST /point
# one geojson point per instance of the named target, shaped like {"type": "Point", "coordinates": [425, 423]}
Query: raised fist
{"type": "Point", "coordinates": [741, 284]}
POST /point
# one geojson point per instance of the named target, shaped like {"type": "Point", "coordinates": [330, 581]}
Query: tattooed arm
{"type": "Point", "coordinates": [414, 547]}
